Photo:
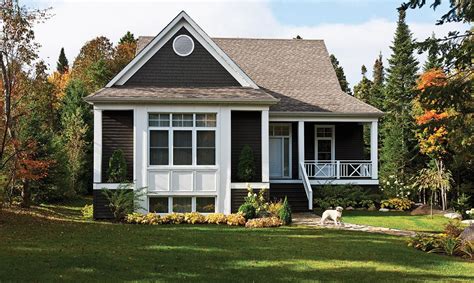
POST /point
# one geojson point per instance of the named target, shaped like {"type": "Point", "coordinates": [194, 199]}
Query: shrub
{"type": "Point", "coordinates": [258, 201]}
{"type": "Point", "coordinates": [236, 219]}
{"type": "Point", "coordinates": [216, 218]}
{"type": "Point", "coordinates": [397, 203]}
{"type": "Point", "coordinates": [274, 208]}
{"type": "Point", "coordinates": [448, 245]}
{"type": "Point", "coordinates": [366, 203]}
{"type": "Point", "coordinates": [117, 170]}
{"type": "Point", "coordinates": [246, 166]}
{"type": "Point", "coordinates": [344, 195]}
{"type": "Point", "coordinates": [285, 212]}
{"type": "Point", "coordinates": [138, 218]}
{"type": "Point", "coordinates": [263, 222]}
{"type": "Point", "coordinates": [248, 210]}
{"type": "Point", "coordinates": [461, 205]}
{"type": "Point", "coordinates": [174, 218]}
{"type": "Point", "coordinates": [467, 250]}
{"type": "Point", "coordinates": [123, 200]}
{"type": "Point", "coordinates": [134, 218]}
{"type": "Point", "coordinates": [194, 218]}
{"type": "Point", "coordinates": [453, 228]}
{"type": "Point", "coordinates": [87, 211]}
{"type": "Point", "coordinates": [424, 242]}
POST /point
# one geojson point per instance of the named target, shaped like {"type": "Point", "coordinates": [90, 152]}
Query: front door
{"type": "Point", "coordinates": [324, 151]}
{"type": "Point", "coordinates": [280, 151]}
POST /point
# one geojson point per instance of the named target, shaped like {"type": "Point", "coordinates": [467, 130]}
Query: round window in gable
{"type": "Point", "coordinates": [183, 45]}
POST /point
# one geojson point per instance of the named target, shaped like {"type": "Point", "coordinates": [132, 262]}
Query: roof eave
{"type": "Point", "coordinates": [134, 100]}
{"type": "Point", "coordinates": [326, 114]}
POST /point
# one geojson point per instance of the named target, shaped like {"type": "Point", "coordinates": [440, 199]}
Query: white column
{"type": "Point", "coordinates": [374, 148]}
{"type": "Point", "coordinates": [300, 146]}
{"type": "Point", "coordinates": [265, 147]}
{"type": "Point", "coordinates": [140, 126]}
{"type": "Point", "coordinates": [97, 146]}
{"type": "Point", "coordinates": [223, 190]}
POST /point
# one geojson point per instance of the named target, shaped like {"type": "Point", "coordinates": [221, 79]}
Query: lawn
{"type": "Point", "coordinates": [397, 220]}
{"type": "Point", "coordinates": [60, 246]}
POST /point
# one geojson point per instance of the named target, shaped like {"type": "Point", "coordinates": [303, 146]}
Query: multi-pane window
{"type": "Point", "coordinates": [182, 204]}
{"type": "Point", "coordinates": [159, 204]}
{"type": "Point", "coordinates": [206, 120]}
{"type": "Point", "coordinates": [206, 147]}
{"type": "Point", "coordinates": [182, 120]}
{"type": "Point", "coordinates": [159, 149]}
{"type": "Point", "coordinates": [159, 120]}
{"type": "Point", "coordinates": [324, 143]}
{"type": "Point", "coordinates": [182, 138]}
{"type": "Point", "coordinates": [182, 148]}
{"type": "Point", "coordinates": [206, 204]}
{"type": "Point", "coordinates": [324, 132]}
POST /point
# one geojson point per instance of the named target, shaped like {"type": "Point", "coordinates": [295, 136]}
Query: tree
{"type": "Point", "coordinates": [340, 75]}
{"type": "Point", "coordinates": [18, 51]}
{"type": "Point", "coordinates": [124, 52]}
{"type": "Point", "coordinates": [75, 120]}
{"type": "Point", "coordinates": [377, 91]}
{"type": "Point", "coordinates": [362, 89]}
{"type": "Point", "coordinates": [128, 38]}
{"type": "Point", "coordinates": [93, 64]}
{"type": "Point", "coordinates": [117, 171]}
{"type": "Point", "coordinates": [62, 65]}
{"type": "Point", "coordinates": [432, 61]}
{"type": "Point", "coordinates": [398, 144]}
{"type": "Point", "coordinates": [246, 166]}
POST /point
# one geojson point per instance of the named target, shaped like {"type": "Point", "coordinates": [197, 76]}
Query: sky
{"type": "Point", "coordinates": [355, 31]}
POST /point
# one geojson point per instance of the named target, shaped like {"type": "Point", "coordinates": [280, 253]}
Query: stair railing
{"type": "Point", "coordinates": [307, 186]}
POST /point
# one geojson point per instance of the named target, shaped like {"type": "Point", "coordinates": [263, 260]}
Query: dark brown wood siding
{"type": "Point", "coordinates": [294, 150]}
{"type": "Point", "coordinates": [101, 209]}
{"type": "Point", "coordinates": [349, 141]}
{"type": "Point", "coordinates": [167, 69]}
{"type": "Point", "coordinates": [117, 133]}
{"type": "Point", "coordinates": [246, 129]}
{"type": "Point", "coordinates": [294, 192]}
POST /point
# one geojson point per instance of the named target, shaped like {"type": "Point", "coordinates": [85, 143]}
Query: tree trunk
{"type": "Point", "coordinates": [26, 194]}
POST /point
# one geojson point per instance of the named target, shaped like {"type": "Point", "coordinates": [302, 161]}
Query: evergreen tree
{"type": "Point", "coordinates": [362, 89]}
{"type": "Point", "coordinates": [398, 145]}
{"type": "Point", "coordinates": [376, 92]}
{"type": "Point", "coordinates": [432, 61]}
{"type": "Point", "coordinates": [62, 65]}
{"type": "Point", "coordinates": [340, 75]}
{"type": "Point", "coordinates": [128, 38]}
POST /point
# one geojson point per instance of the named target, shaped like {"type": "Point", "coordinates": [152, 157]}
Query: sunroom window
{"type": "Point", "coordinates": [182, 138]}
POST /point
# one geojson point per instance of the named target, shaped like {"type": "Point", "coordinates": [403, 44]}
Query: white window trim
{"type": "Point", "coordinates": [332, 139]}
{"type": "Point", "coordinates": [290, 144]}
{"type": "Point", "coordinates": [193, 203]}
{"type": "Point", "coordinates": [194, 131]}
{"type": "Point", "coordinates": [192, 44]}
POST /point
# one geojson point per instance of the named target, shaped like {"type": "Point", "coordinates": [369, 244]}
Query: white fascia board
{"type": "Point", "coordinates": [182, 20]}
{"type": "Point", "coordinates": [313, 117]}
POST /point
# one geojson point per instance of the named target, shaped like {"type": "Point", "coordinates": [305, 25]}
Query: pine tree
{"type": "Point", "coordinates": [398, 145]}
{"type": "Point", "coordinates": [376, 92]}
{"type": "Point", "coordinates": [432, 61]}
{"type": "Point", "coordinates": [128, 38]}
{"type": "Point", "coordinates": [362, 89]}
{"type": "Point", "coordinates": [340, 75]}
{"type": "Point", "coordinates": [62, 65]}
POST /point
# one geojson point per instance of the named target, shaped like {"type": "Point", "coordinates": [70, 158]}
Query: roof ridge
{"type": "Point", "coordinates": [262, 38]}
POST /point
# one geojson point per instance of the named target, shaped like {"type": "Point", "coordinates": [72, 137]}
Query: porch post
{"type": "Point", "coordinates": [97, 145]}
{"type": "Point", "coordinates": [265, 147]}
{"type": "Point", "coordinates": [141, 152]}
{"type": "Point", "coordinates": [374, 148]}
{"type": "Point", "coordinates": [300, 146]}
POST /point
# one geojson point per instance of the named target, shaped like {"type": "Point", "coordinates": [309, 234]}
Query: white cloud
{"type": "Point", "coordinates": [75, 22]}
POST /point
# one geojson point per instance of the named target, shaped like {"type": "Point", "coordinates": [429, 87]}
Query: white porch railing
{"type": "Point", "coordinates": [338, 169]}
{"type": "Point", "coordinates": [307, 186]}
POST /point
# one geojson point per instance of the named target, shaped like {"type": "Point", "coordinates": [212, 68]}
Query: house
{"type": "Point", "coordinates": [183, 109]}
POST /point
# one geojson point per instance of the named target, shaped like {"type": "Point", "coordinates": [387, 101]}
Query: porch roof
{"type": "Point", "coordinates": [150, 94]}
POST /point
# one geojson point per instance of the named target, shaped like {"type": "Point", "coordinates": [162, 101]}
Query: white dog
{"type": "Point", "coordinates": [334, 215]}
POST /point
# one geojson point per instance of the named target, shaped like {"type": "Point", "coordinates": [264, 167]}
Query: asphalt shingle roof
{"type": "Point", "coordinates": [230, 95]}
{"type": "Point", "coordinates": [297, 72]}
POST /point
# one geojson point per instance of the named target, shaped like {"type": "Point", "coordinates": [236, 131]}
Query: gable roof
{"type": "Point", "coordinates": [296, 71]}
{"type": "Point", "coordinates": [180, 21]}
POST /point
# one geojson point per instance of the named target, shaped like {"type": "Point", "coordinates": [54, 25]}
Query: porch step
{"type": "Point", "coordinates": [294, 192]}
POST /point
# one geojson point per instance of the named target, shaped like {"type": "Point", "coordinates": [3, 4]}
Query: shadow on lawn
{"type": "Point", "coordinates": [84, 251]}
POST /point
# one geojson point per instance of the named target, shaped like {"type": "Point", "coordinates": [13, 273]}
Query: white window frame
{"type": "Point", "coordinates": [290, 149]}
{"type": "Point", "coordinates": [193, 202]}
{"type": "Point", "coordinates": [194, 129]}
{"type": "Point", "coordinates": [332, 139]}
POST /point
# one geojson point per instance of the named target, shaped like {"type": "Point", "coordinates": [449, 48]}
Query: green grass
{"type": "Point", "coordinates": [55, 244]}
{"type": "Point", "coordinates": [397, 220]}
